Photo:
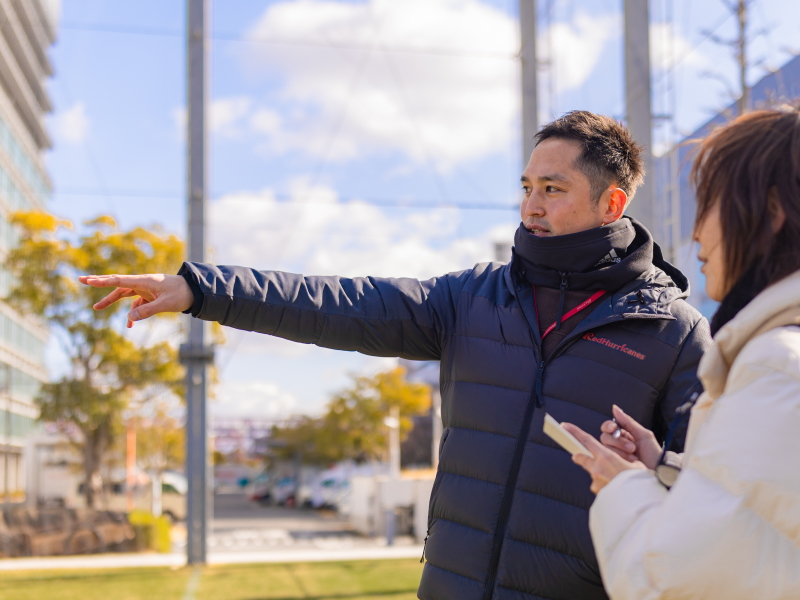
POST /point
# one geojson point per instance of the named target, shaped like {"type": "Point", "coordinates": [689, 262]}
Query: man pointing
{"type": "Point", "coordinates": [586, 315]}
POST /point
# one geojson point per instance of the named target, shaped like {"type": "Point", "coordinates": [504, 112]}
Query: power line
{"type": "Point", "coordinates": [286, 198]}
{"type": "Point", "coordinates": [233, 37]}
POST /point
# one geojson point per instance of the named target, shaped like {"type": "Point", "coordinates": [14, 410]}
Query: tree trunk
{"type": "Point", "coordinates": [91, 467]}
{"type": "Point", "coordinates": [94, 446]}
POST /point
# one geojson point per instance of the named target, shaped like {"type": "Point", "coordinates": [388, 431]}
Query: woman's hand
{"type": "Point", "coordinates": [154, 293]}
{"type": "Point", "coordinates": [606, 463]}
{"type": "Point", "coordinates": [634, 443]}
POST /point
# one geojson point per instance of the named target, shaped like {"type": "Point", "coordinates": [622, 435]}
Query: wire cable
{"type": "Point", "coordinates": [232, 37]}
{"type": "Point", "coordinates": [286, 198]}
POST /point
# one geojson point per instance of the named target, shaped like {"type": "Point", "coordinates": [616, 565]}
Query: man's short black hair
{"type": "Point", "coordinates": [610, 155]}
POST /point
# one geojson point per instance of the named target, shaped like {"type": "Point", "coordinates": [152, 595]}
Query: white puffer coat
{"type": "Point", "coordinates": [730, 526]}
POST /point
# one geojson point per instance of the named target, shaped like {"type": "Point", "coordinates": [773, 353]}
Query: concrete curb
{"type": "Point", "coordinates": [120, 561]}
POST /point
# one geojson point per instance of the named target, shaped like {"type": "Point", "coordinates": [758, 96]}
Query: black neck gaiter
{"type": "Point", "coordinates": [603, 258]}
{"type": "Point", "coordinates": [749, 285]}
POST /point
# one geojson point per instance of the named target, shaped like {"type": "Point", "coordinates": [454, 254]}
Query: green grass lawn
{"type": "Point", "coordinates": [360, 580]}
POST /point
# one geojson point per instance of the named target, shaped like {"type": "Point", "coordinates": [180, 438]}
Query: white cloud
{"type": "Point", "coordinates": [227, 115]}
{"type": "Point", "coordinates": [253, 399]}
{"type": "Point", "coordinates": [316, 234]}
{"type": "Point", "coordinates": [72, 125]}
{"type": "Point", "coordinates": [179, 121]}
{"type": "Point", "coordinates": [577, 46]}
{"type": "Point", "coordinates": [669, 47]}
{"type": "Point", "coordinates": [347, 103]}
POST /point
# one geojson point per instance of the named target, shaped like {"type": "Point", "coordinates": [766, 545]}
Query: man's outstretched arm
{"type": "Point", "coordinates": [381, 317]}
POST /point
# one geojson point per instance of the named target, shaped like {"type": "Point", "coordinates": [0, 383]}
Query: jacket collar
{"type": "Point", "coordinates": [776, 306]}
{"type": "Point", "coordinates": [650, 295]}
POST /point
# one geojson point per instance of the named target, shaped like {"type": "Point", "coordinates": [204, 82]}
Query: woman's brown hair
{"type": "Point", "coordinates": [751, 167]}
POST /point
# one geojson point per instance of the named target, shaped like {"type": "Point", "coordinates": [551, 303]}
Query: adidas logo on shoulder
{"type": "Point", "coordinates": [611, 257]}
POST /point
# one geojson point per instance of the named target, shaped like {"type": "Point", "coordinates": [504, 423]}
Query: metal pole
{"type": "Point", "coordinates": [528, 65]}
{"type": "Point", "coordinates": [743, 104]}
{"type": "Point", "coordinates": [393, 421]}
{"type": "Point", "coordinates": [196, 354]}
{"type": "Point", "coordinates": [638, 104]}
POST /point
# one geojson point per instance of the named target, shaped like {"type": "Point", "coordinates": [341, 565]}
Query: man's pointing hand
{"type": "Point", "coordinates": [153, 293]}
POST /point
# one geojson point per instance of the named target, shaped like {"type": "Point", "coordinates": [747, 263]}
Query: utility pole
{"type": "Point", "coordinates": [738, 46]}
{"type": "Point", "coordinates": [638, 106]}
{"type": "Point", "coordinates": [393, 423]}
{"type": "Point", "coordinates": [196, 354]}
{"type": "Point", "coordinates": [743, 103]}
{"type": "Point", "coordinates": [528, 64]}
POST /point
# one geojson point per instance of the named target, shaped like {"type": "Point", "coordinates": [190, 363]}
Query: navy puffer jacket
{"type": "Point", "coordinates": [509, 510]}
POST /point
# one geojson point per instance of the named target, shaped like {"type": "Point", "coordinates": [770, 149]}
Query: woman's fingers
{"type": "Point", "coordinates": [629, 424]}
{"type": "Point", "coordinates": [583, 461]}
{"type": "Point", "coordinates": [584, 438]}
{"type": "Point", "coordinates": [607, 462]}
{"type": "Point", "coordinates": [622, 446]}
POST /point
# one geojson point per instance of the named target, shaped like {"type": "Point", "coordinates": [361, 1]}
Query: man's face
{"type": "Point", "coordinates": [558, 197]}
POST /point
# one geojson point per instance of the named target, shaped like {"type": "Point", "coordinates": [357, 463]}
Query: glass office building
{"type": "Point", "coordinates": [676, 201]}
{"type": "Point", "coordinates": [27, 29]}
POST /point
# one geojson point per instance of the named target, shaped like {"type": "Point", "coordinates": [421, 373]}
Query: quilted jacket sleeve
{"type": "Point", "coordinates": [682, 381]}
{"type": "Point", "coordinates": [379, 317]}
{"type": "Point", "coordinates": [730, 526]}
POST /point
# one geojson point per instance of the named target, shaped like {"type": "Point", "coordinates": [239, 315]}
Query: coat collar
{"type": "Point", "coordinates": [776, 306]}
{"type": "Point", "coordinates": [650, 295]}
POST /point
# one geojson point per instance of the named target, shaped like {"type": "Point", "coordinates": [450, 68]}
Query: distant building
{"type": "Point", "coordinates": [27, 29]}
{"type": "Point", "coordinates": [241, 438]}
{"type": "Point", "coordinates": [676, 197]}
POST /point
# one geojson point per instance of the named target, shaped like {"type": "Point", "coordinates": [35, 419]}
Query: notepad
{"type": "Point", "coordinates": [564, 438]}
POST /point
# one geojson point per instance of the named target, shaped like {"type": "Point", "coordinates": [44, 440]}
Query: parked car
{"type": "Point", "coordinates": [283, 492]}
{"type": "Point", "coordinates": [258, 489]}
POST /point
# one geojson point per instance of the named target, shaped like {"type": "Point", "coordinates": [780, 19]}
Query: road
{"type": "Point", "coordinates": [243, 526]}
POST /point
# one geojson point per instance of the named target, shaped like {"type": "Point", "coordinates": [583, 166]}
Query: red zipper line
{"type": "Point", "coordinates": [591, 300]}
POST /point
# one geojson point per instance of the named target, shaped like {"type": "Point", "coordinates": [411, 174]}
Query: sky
{"type": "Point", "coordinates": [368, 137]}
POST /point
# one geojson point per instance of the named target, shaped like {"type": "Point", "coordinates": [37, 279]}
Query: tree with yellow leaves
{"type": "Point", "coordinates": [353, 427]}
{"type": "Point", "coordinates": [107, 369]}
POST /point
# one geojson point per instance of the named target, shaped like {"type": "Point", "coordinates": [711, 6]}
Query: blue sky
{"type": "Point", "coordinates": [352, 138]}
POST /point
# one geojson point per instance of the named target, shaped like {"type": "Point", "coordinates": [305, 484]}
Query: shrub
{"type": "Point", "coordinates": [152, 533]}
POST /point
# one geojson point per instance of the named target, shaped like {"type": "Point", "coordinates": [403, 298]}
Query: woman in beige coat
{"type": "Point", "coordinates": [729, 525]}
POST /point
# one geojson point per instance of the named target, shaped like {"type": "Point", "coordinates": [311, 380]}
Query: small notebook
{"type": "Point", "coordinates": [564, 438]}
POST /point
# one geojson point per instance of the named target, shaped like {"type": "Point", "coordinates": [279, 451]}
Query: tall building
{"type": "Point", "coordinates": [676, 200]}
{"type": "Point", "coordinates": [27, 30]}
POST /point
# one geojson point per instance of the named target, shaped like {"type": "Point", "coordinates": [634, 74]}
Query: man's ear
{"type": "Point", "coordinates": [615, 206]}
